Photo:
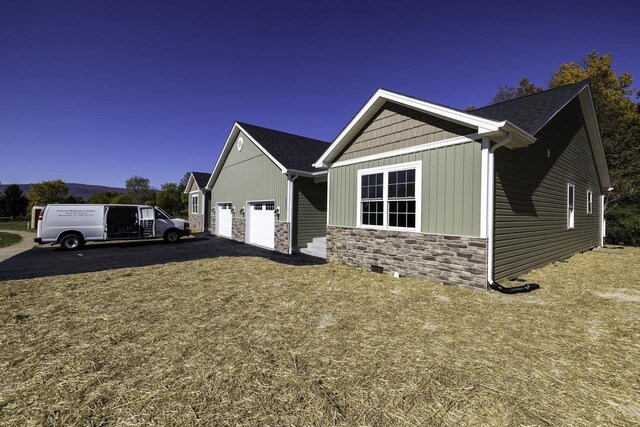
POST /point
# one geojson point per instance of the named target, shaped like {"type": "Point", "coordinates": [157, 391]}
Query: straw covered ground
{"type": "Point", "coordinates": [246, 341]}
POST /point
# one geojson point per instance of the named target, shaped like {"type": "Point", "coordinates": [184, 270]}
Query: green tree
{"type": "Point", "coordinates": [140, 191]}
{"type": "Point", "coordinates": [13, 202]}
{"type": "Point", "coordinates": [506, 92]}
{"type": "Point", "coordinates": [122, 199]}
{"type": "Point", "coordinates": [171, 198]}
{"type": "Point", "coordinates": [102, 198]}
{"type": "Point", "coordinates": [47, 192]}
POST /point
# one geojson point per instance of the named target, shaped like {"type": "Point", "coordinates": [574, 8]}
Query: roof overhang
{"type": "Point", "coordinates": [593, 130]}
{"type": "Point", "coordinates": [381, 96]}
{"type": "Point", "coordinates": [296, 172]}
{"type": "Point", "coordinates": [228, 145]}
{"type": "Point", "coordinates": [190, 183]}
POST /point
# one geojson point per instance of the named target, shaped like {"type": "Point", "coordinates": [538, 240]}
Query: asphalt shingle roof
{"type": "Point", "coordinates": [292, 151]}
{"type": "Point", "coordinates": [530, 113]}
{"type": "Point", "coordinates": [201, 178]}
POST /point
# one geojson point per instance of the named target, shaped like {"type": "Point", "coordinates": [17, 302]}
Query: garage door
{"type": "Point", "coordinates": [223, 219]}
{"type": "Point", "coordinates": [261, 226]}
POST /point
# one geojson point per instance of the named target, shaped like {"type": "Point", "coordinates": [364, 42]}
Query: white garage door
{"type": "Point", "coordinates": [261, 226]}
{"type": "Point", "coordinates": [223, 219]}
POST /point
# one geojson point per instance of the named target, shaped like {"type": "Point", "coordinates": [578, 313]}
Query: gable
{"type": "Point", "coordinates": [247, 155]}
{"type": "Point", "coordinates": [395, 127]}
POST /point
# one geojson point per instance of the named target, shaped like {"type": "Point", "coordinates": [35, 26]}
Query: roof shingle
{"type": "Point", "coordinates": [292, 151]}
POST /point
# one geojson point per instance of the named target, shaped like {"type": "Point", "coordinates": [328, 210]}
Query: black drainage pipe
{"type": "Point", "coordinates": [516, 289]}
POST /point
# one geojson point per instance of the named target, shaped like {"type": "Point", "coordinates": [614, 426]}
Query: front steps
{"type": "Point", "coordinates": [317, 248]}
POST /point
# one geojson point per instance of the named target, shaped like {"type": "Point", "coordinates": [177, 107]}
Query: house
{"type": "Point", "coordinates": [466, 198]}
{"type": "Point", "coordinates": [198, 203]}
{"type": "Point", "coordinates": [265, 191]}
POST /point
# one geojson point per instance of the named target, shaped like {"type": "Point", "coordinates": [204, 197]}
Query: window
{"type": "Point", "coordinates": [589, 202]}
{"type": "Point", "coordinates": [571, 196]}
{"type": "Point", "coordinates": [269, 206]}
{"type": "Point", "coordinates": [194, 204]}
{"type": "Point", "coordinates": [387, 197]}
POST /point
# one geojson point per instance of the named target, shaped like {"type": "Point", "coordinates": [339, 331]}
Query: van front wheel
{"type": "Point", "coordinates": [71, 242]}
{"type": "Point", "coordinates": [171, 236]}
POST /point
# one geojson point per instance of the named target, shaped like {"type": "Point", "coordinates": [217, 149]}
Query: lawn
{"type": "Point", "coordinates": [8, 239]}
{"type": "Point", "coordinates": [246, 341]}
{"type": "Point", "coordinates": [16, 226]}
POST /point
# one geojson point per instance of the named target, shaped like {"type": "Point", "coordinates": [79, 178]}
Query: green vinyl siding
{"type": "Point", "coordinates": [249, 175]}
{"type": "Point", "coordinates": [310, 211]}
{"type": "Point", "coordinates": [450, 198]}
{"type": "Point", "coordinates": [531, 197]}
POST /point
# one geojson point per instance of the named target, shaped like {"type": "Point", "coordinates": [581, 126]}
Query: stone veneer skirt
{"type": "Point", "coordinates": [452, 260]}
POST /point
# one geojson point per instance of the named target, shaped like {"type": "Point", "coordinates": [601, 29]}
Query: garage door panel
{"type": "Point", "coordinates": [261, 225]}
{"type": "Point", "coordinates": [224, 216]}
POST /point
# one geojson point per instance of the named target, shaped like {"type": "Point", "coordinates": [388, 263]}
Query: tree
{"type": "Point", "coordinates": [524, 88]}
{"type": "Point", "coordinates": [13, 202]}
{"type": "Point", "coordinates": [140, 191]}
{"type": "Point", "coordinates": [102, 198]}
{"type": "Point", "coordinates": [47, 192]}
{"type": "Point", "coordinates": [171, 198]}
{"type": "Point", "coordinates": [122, 199]}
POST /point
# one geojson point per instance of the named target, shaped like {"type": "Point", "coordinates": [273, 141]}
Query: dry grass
{"type": "Point", "coordinates": [251, 342]}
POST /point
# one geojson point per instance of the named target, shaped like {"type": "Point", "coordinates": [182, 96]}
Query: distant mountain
{"type": "Point", "coordinates": [77, 190]}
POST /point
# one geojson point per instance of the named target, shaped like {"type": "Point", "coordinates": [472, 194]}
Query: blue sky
{"type": "Point", "coordinates": [97, 91]}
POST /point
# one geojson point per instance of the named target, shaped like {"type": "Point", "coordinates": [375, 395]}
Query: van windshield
{"type": "Point", "coordinates": [160, 214]}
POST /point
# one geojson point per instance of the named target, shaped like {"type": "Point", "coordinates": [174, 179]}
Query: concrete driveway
{"type": "Point", "coordinates": [49, 260]}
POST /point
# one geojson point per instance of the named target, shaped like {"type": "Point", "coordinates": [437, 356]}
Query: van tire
{"type": "Point", "coordinates": [71, 241]}
{"type": "Point", "coordinates": [171, 236]}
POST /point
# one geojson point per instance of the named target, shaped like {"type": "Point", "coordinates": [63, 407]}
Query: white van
{"type": "Point", "coordinates": [73, 225]}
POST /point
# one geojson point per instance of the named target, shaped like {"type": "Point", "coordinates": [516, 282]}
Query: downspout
{"type": "Point", "coordinates": [491, 181]}
{"type": "Point", "coordinates": [290, 179]}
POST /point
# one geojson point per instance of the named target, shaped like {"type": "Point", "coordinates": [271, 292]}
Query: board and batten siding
{"type": "Point", "coordinates": [395, 127]}
{"type": "Point", "coordinates": [450, 189]}
{"type": "Point", "coordinates": [531, 197]}
{"type": "Point", "coordinates": [309, 212]}
{"type": "Point", "coordinates": [249, 175]}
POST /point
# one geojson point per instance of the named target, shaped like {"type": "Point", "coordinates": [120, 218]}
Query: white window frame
{"type": "Point", "coordinates": [589, 202]}
{"type": "Point", "coordinates": [196, 204]}
{"type": "Point", "coordinates": [571, 210]}
{"type": "Point", "coordinates": [385, 197]}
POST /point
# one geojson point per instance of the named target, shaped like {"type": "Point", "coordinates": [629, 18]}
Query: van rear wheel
{"type": "Point", "coordinates": [171, 236]}
{"type": "Point", "coordinates": [71, 242]}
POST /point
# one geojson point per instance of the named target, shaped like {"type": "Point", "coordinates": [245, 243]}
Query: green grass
{"type": "Point", "coordinates": [16, 226]}
{"type": "Point", "coordinates": [246, 341]}
{"type": "Point", "coordinates": [8, 239]}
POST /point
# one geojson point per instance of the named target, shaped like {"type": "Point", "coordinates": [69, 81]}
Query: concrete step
{"type": "Point", "coordinates": [317, 248]}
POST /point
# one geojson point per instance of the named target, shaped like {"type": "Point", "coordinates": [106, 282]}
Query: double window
{"type": "Point", "coordinates": [194, 204]}
{"type": "Point", "coordinates": [389, 197]}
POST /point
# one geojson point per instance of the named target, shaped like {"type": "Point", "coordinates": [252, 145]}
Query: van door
{"type": "Point", "coordinates": [147, 222]}
{"type": "Point", "coordinates": [106, 227]}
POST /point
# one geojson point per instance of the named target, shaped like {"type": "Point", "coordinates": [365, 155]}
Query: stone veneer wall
{"type": "Point", "coordinates": [451, 260]}
{"type": "Point", "coordinates": [238, 229]}
{"type": "Point", "coordinates": [282, 237]}
{"type": "Point", "coordinates": [196, 222]}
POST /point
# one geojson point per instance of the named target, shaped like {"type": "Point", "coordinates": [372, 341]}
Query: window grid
{"type": "Point", "coordinates": [194, 204]}
{"type": "Point", "coordinates": [397, 204]}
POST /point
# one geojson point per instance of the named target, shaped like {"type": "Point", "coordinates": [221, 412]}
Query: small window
{"type": "Point", "coordinates": [269, 207]}
{"type": "Point", "coordinates": [194, 204]}
{"type": "Point", "coordinates": [589, 202]}
{"type": "Point", "coordinates": [257, 207]}
{"type": "Point", "coordinates": [571, 196]}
